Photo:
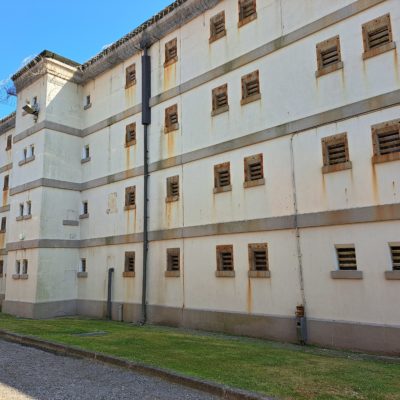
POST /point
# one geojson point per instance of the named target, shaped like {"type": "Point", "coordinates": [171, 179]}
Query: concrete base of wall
{"type": "Point", "coordinates": [379, 339]}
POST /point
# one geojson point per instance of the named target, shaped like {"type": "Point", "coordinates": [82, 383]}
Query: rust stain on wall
{"type": "Point", "coordinates": [170, 144]}
{"type": "Point", "coordinates": [375, 185]}
{"type": "Point", "coordinates": [130, 96]}
{"type": "Point", "coordinates": [169, 76]}
{"type": "Point", "coordinates": [249, 299]}
{"type": "Point", "coordinates": [127, 157]}
{"type": "Point", "coordinates": [5, 197]}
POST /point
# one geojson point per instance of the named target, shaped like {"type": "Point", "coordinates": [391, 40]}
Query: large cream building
{"type": "Point", "coordinates": [271, 180]}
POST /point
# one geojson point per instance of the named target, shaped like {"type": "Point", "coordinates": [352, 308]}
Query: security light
{"type": "Point", "coordinates": [29, 109]}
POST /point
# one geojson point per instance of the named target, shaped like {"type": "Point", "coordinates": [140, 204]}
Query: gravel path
{"type": "Point", "coordinates": [27, 373]}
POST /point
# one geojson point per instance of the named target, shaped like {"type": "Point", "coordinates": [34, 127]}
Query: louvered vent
{"type": "Point", "coordinates": [346, 258]}
{"type": "Point", "coordinates": [336, 153]}
{"type": "Point", "coordinates": [378, 37]}
{"type": "Point", "coordinates": [389, 142]}
{"type": "Point", "coordinates": [247, 8]}
{"type": "Point", "coordinates": [395, 251]}
{"type": "Point", "coordinates": [226, 261]}
{"type": "Point", "coordinates": [330, 56]}
{"type": "Point", "coordinates": [255, 171]}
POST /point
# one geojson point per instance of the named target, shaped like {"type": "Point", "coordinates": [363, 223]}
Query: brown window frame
{"type": "Point", "coordinates": [376, 131]}
{"type": "Point", "coordinates": [130, 76]}
{"type": "Point", "coordinates": [6, 182]}
{"type": "Point", "coordinates": [128, 271]}
{"type": "Point", "coordinates": [371, 26]}
{"type": "Point", "coordinates": [243, 20]}
{"type": "Point", "coordinates": [327, 47]}
{"type": "Point", "coordinates": [218, 169]}
{"type": "Point", "coordinates": [220, 271]}
{"type": "Point", "coordinates": [252, 160]}
{"type": "Point", "coordinates": [130, 134]}
{"type": "Point", "coordinates": [128, 198]}
{"type": "Point", "coordinates": [249, 79]}
{"type": "Point", "coordinates": [253, 272]}
{"type": "Point", "coordinates": [214, 27]}
{"type": "Point", "coordinates": [216, 93]}
{"type": "Point", "coordinates": [171, 126]}
{"type": "Point", "coordinates": [334, 140]}
{"type": "Point", "coordinates": [171, 194]}
{"type": "Point", "coordinates": [170, 58]}
{"type": "Point", "coordinates": [170, 271]}
{"type": "Point", "coordinates": [9, 142]}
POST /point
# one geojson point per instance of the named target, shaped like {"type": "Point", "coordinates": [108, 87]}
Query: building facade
{"type": "Point", "coordinates": [271, 180]}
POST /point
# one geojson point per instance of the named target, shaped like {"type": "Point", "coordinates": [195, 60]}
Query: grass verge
{"type": "Point", "coordinates": [274, 369]}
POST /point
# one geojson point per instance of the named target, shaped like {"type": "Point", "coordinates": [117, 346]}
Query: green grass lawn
{"type": "Point", "coordinates": [281, 370]}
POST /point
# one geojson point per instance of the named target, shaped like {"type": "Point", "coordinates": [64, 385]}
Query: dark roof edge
{"type": "Point", "coordinates": [7, 123]}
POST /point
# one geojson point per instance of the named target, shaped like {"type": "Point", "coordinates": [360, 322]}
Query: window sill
{"type": "Point", "coordinates": [131, 143]}
{"type": "Point", "coordinates": [131, 207]}
{"type": "Point", "coordinates": [87, 106]}
{"type": "Point", "coordinates": [220, 110]}
{"type": "Point", "coordinates": [171, 199]}
{"type": "Point", "coordinates": [346, 274]}
{"type": "Point", "coordinates": [259, 274]}
{"type": "Point", "coordinates": [172, 128]}
{"type": "Point", "coordinates": [128, 274]}
{"type": "Point", "coordinates": [214, 38]}
{"type": "Point", "coordinates": [82, 274]}
{"type": "Point", "coordinates": [329, 69]}
{"type": "Point", "coordinates": [222, 189]}
{"type": "Point", "coordinates": [379, 50]}
{"type": "Point", "coordinates": [70, 222]}
{"type": "Point", "coordinates": [130, 84]}
{"type": "Point", "coordinates": [16, 276]}
{"type": "Point", "coordinates": [377, 159]}
{"type": "Point", "coordinates": [250, 99]}
{"type": "Point", "coordinates": [85, 160]}
{"type": "Point", "coordinates": [225, 274]}
{"type": "Point", "coordinates": [24, 276]}
{"type": "Point", "coordinates": [170, 62]}
{"type": "Point", "coordinates": [23, 217]}
{"type": "Point", "coordinates": [326, 169]}
{"type": "Point", "coordinates": [84, 216]}
{"type": "Point", "coordinates": [26, 161]}
{"type": "Point", "coordinates": [258, 182]}
{"type": "Point", "coordinates": [246, 20]}
{"type": "Point", "coordinates": [172, 274]}
{"type": "Point", "coordinates": [392, 275]}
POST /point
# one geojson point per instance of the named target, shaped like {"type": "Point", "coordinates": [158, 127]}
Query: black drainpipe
{"type": "Point", "coordinates": [109, 292]}
{"type": "Point", "coordinates": [146, 121]}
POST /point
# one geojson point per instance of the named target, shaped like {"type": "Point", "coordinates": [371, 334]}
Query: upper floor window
{"type": "Point", "coordinates": [29, 208]}
{"type": "Point", "coordinates": [222, 177]}
{"type": "Point", "coordinates": [85, 154]}
{"type": "Point", "coordinates": [171, 119]}
{"type": "Point", "coordinates": [6, 182]}
{"type": "Point", "coordinates": [220, 100]}
{"type": "Point", "coordinates": [217, 27]}
{"type": "Point", "coordinates": [130, 76]}
{"type": "Point", "coordinates": [130, 197]}
{"type": "Point", "coordinates": [386, 141]}
{"type": "Point", "coordinates": [130, 134]}
{"type": "Point", "coordinates": [335, 153]}
{"type": "Point", "coordinates": [377, 36]}
{"type": "Point", "coordinates": [253, 171]}
{"type": "Point", "coordinates": [171, 52]}
{"type": "Point", "coordinates": [250, 88]}
{"type": "Point", "coordinates": [1, 268]}
{"type": "Point", "coordinates": [258, 260]}
{"type": "Point", "coordinates": [129, 267]}
{"type": "Point", "coordinates": [173, 263]}
{"type": "Point", "coordinates": [88, 102]}
{"type": "Point", "coordinates": [346, 257]}
{"type": "Point", "coordinates": [21, 209]}
{"type": "Point", "coordinates": [172, 188]}
{"type": "Point", "coordinates": [329, 57]}
{"type": "Point", "coordinates": [395, 254]}
{"type": "Point", "coordinates": [3, 224]}
{"type": "Point", "coordinates": [247, 11]}
{"type": "Point", "coordinates": [84, 210]}
{"type": "Point", "coordinates": [9, 142]}
{"type": "Point", "coordinates": [225, 264]}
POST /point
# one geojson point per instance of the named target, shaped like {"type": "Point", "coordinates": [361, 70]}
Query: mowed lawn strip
{"type": "Point", "coordinates": [281, 370]}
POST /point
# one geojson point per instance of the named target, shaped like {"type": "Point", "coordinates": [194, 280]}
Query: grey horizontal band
{"type": "Point", "coordinates": [6, 167]}
{"type": "Point", "coordinates": [324, 118]}
{"type": "Point", "coordinates": [253, 55]}
{"type": "Point", "coordinates": [7, 123]}
{"type": "Point", "coordinates": [388, 212]}
{"type": "Point", "coordinates": [5, 208]}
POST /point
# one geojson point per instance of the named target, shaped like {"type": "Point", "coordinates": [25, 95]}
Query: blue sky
{"type": "Point", "coordinates": [76, 29]}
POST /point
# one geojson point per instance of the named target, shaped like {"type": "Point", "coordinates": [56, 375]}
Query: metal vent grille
{"type": "Point", "coordinates": [173, 259]}
{"type": "Point", "coordinates": [252, 87]}
{"type": "Point", "coordinates": [260, 260]}
{"type": "Point", "coordinates": [247, 8]}
{"type": "Point", "coordinates": [389, 142]}
{"type": "Point", "coordinates": [255, 171]}
{"type": "Point", "coordinates": [395, 252]}
{"type": "Point", "coordinates": [130, 196]}
{"type": "Point", "coordinates": [379, 37]}
{"type": "Point", "coordinates": [224, 178]}
{"type": "Point", "coordinates": [336, 153]}
{"type": "Point", "coordinates": [130, 261]}
{"type": "Point", "coordinates": [173, 187]}
{"type": "Point", "coordinates": [226, 261]}
{"type": "Point", "coordinates": [221, 100]}
{"type": "Point", "coordinates": [346, 258]}
{"type": "Point", "coordinates": [330, 56]}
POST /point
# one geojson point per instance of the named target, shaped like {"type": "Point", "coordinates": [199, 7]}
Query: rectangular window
{"type": "Point", "coordinates": [130, 134]}
{"type": "Point", "coordinates": [24, 267]}
{"type": "Point", "coordinates": [83, 265]}
{"type": "Point", "coordinates": [253, 171]}
{"type": "Point", "coordinates": [130, 197]}
{"type": "Point", "coordinates": [1, 268]}
{"type": "Point", "coordinates": [335, 153]}
{"type": "Point", "coordinates": [222, 177]}
{"type": "Point", "coordinates": [329, 57]}
{"type": "Point", "coordinates": [21, 209]}
{"type": "Point", "coordinates": [171, 119]}
{"type": "Point", "coordinates": [346, 257]}
{"type": "Point", "coordinates": [377, 36]}
{"type": "Point", "coordinates": [386, 141]}
{"type": "Point", "coordinates": [217, 27]}
{"type": "Point", "coordinates": [247, 11]}
{"type": "Point", "coordinates": [171, 52]}
{"type": "Point", "coordinates": [173, 262]}
{"type": "Point", "coordinates": [88, 102]}
{"type": "Point", "coordinates": [225, 264]}
{"type": "Point", "coordinates": [250, 88]}
{"type": "Point", "coordinates": [258, 256]}
{"type": "Point", "coordinates": [28, 208]}
{"type": "Point", "coordinates": [395, 253]}
{"type": "Point", "coordinates": [9, 143]}
{"type": "Point", "coordinates": [172, 188]}
{"type": "Point", "coordinates": [3, 224]}
{"type": "Point", "coordinates": [86, 152]}
{"type": "Point", "coordinates": [6, 182]}
{"type": "Point", "coordinates": [85, 210]}
{"type": "Point", "coordinates": [18, 267]}
{"type": "Point", "coordinates": [32, 150]}
{"type": "Point", "coordinates": [130, 76]}
{"type": "Point", "coordinates": [220, 100]}
{"type": "Point", "coordinates": [25, 154]}
{"type": "Point", "coordinates": [129, 267]}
